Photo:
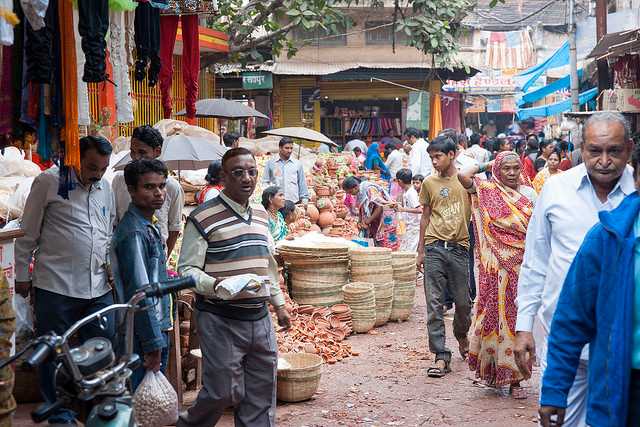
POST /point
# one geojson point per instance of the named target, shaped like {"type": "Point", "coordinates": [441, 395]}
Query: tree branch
{"type": "Point", "coordinates": [266, 39]}
{"type": "Point", "coordinates": [258, 19]}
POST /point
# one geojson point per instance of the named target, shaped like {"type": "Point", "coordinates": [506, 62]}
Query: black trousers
{"type": "Point", "coordinates": [93, 24]}
{"type": "Point", "coordinates": [147, 36]}
{"type": "Point", "coordinates": [633, 419]}
{"type": "Point", "coordinates": [38, 47]}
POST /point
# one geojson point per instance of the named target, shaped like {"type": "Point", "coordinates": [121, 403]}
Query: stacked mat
{"type": "Point", "coordinates": [404, 289]}
{"type": "Point", "coordinates": [373, 265]}
{"type": "Point", "coordinates": [317, 273]}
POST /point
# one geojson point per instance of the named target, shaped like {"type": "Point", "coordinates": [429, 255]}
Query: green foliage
{"type": "Point", "coordinates": [431, 26]}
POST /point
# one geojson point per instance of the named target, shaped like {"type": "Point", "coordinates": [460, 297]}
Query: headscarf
{"type": "Point", "coordinates": [370, 161]}
{"type": "Point", "coordinates": [372, 155]}
{"type": "Point", "coordinates": [502, 157]}
{"type": "Point", "coordinates": [369, 193]}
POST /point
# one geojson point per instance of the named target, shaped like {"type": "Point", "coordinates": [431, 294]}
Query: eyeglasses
{"type": "Point", "coordinates": [239, 173]}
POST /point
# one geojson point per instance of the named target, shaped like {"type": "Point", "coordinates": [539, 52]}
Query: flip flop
{"type": "Point", "coordinates": [518, 392]}
{"type": "Point", "coordinates": [436, 371]}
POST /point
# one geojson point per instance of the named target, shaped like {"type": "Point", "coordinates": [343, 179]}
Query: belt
{"type": "Point", "coordinates": [447, 245]}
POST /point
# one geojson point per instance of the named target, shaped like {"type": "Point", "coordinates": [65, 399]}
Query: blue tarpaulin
{"type": "Point", "coordinates": [528, 77]}
{"type": "Point", "coordinates": [556, 108]}
{"type": "Point", "coordinates": [537, 94]}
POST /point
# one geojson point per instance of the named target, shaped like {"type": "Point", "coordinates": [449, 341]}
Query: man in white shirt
{"type": "Point", "coordinates": [419, 159]}
{"type": "Point", "coordinates": [146, 143]}
{"type": "Point", "coordinates": [68, 239]}
{"type": "Point", "coordinates": [565, 211]}
{"type": "Point", "coordinates": [477, 152]}
{"type": "Point", "coordinates": [394, 161]}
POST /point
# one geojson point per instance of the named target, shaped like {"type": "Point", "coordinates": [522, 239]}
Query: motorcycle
{"type": "Point", "coordinates": [89, 377]}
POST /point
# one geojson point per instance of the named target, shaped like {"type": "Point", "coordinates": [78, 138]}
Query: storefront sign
{"type": "Point", "coordinates": [623, 100]}
{"type": "Point", "coordinates": [253, 80]}
{"type": "Point", "coordinates": [418, 110]}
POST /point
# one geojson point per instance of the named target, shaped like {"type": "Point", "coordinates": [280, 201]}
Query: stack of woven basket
{"type": "Point", "coordinates": [360, 297]}
{"type": "Point", "coordinates": [404, 289]}
{"type": "Point", "coordinates": [373, 265]}
{"type": "Point", "coordinates": [318, 273]}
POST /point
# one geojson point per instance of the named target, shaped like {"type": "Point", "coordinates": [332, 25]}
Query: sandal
{"type": "Point", "coordinates": [437, 370]}
{"type": "Point", "coordinates": [463, 346]}
{"type": "Point", "coordinates": [518, 392]}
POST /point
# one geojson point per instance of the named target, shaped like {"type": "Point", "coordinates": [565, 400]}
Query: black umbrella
{"type": "Point", "coordinates": [224, 108]}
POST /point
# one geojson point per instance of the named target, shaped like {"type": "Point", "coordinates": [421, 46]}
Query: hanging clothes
{"type": "Point", "coordinates": [190, 62]}
{"type": "Point", "coordinates": [118, 57]}
{"type": "Point", "coordinates": [38, 49]}
{"type": "Point", "coordinates": [8, 20]}
{"type": "Point", "coordinates": [147, 36]}
{"type": "Point", "coordinates": [6, 90]}
{"type": "Point", "coordinates": [83, 91]}
{"type": "Point", "coordinates": [35, 12]}
{"type": "Point", "coordinates": [93, 25]}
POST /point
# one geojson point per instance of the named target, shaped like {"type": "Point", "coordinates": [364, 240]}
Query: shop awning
{"type": "Point", "coordinates": [537, 94]}
{"type": "Point", "coordinates": [528, 77]}
{"type": "Point", "coordinates": [617, 44]}
{"type": "Point", "coordinates": [556, 108]}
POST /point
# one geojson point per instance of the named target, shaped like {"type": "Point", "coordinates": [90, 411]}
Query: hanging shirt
{"type": "Point", "coordinates": [289, 176]}
{"type": "Point", "coordinates": [70, 237]}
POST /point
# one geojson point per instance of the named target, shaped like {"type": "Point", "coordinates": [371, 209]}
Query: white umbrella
{"type": "Point", "coordinates": [183, 152]}
{"type": "Point", "coordinates": [301, 133]}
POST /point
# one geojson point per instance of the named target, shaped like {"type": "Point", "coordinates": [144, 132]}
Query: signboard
{"type": "Point", "coordinates": [418, 110]}
{"type": "Point", "coordinates": [623, 100]}
{"type": "Point", "coordinates": [254, 80]}
{"type": "Point", "coordinates": [307, 99]}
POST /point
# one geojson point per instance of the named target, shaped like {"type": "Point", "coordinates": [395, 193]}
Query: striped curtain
{"type": "Point", "coordinates": [510, 49]}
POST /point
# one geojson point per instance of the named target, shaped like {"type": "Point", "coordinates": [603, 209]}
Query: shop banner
{"type": "Point", "coordinates": [418, 110]}
{"type": "Point", "coordinates": [254, 80]}
{"type": "Point", "coordinates": [623, 100]}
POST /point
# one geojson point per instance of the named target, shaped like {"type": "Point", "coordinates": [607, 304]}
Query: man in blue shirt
{"type": "Point", "coordinates": [600, 305]}
{"type": "Point", "coordinates": [287, 173]}
{"type": "Point", "coordinates": [140, 256]}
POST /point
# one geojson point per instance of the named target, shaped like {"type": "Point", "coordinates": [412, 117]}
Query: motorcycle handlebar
{"type": "Point", "coordinates": [169, 287]}
{"type": "Point", "coordinates": [39, 354]}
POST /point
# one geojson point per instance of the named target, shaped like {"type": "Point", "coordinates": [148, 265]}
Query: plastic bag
{"type": "Point", "coordinates": [155, 402]}
{"type": "Point", "coordinates": [24, 317]}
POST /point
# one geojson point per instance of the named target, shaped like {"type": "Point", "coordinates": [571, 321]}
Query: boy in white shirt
{"type": "Point", "coordinates": [410, 211]}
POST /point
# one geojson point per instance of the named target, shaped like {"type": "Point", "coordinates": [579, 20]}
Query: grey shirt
{"type": "Point", "coordinates": [69, 238]}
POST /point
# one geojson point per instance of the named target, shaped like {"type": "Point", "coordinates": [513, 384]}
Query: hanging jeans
{"type": "Point", "coordinates": [190, 62]}
{"type": "Point", "coordinates": [38, 47]}
{"type": "Point", "coordinates": [93, 24]}
{"type": "Point", "coordinates": [147, 36]}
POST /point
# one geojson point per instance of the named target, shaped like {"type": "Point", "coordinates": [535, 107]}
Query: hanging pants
{"type": "Point", "coordinates": [147, 36]}
{"type": "Point", "coordinates": [190, 62]}
{"type": "Point", "coordinates": [93, 24]}
{"type": "Point", "coordinates": [38, 48]}
{"type": "Point", "coordinates": [239, 371]}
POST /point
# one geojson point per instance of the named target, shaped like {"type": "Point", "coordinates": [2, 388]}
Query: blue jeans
{"type": "Point", "coordinates": [55, 312]}
{"type": "Point", "coordinates": [138, 374]}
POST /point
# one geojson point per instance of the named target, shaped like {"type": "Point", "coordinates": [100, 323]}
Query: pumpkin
{"type": "Point", "coordinates": [312, 213]}
{"type": "Point", "coordinates": [326, 219]}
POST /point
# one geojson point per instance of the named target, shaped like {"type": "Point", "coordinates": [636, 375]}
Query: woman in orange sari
{"type": "Point", "coordinates": [501, 211]}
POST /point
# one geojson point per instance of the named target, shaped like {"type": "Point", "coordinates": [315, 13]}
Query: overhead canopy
{"type": "Point", "coordinates": [537, 94]}
{"type": "Point", "coordinates": [556, 108]}
{"type": "Point", "coordinates": [617, 44]}
{"type": "Point", "coordinates": [528, 77]}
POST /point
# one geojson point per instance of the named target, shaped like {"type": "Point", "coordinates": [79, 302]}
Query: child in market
{"type": "Point", "coordinates": [409, 211]}
{"type": "Point", "coordinates": [417, 182]}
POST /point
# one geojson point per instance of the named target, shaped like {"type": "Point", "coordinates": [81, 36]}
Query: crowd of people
{"type": "Point", "coordinates": [539, 238]}
{"type": "Point", "coordinates": [513, 222]}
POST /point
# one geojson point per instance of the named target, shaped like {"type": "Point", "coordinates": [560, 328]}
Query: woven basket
{"type": "Point", "coordinates": [301, 381]}
{"type": "Point", "coordinates": [403, 300]}
{"type": "Point", "coordinates": [361, 299]}
{"type": "Point", "coordinates": [384, 302]}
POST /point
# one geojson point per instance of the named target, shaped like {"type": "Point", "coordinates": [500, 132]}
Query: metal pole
{"type": "Point", "coordinates": [573, 58]}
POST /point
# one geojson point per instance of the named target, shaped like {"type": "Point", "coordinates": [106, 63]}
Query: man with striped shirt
{"type": "Point", "coordinates": [224, 238]}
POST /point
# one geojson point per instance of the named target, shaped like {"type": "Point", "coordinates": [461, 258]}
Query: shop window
{"type": "Point", "coordinates": [381, 32]}
{"type": "Point", "coordinates": [320, 37]}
